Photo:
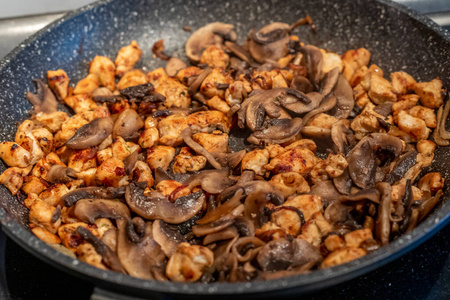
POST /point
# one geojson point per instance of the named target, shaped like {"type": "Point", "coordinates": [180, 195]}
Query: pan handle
{"type": "Point", "coordinates": [102, 294]}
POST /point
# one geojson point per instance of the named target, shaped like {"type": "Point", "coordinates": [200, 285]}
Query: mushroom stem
{"type": "Point", "coordinates": [383, 223]}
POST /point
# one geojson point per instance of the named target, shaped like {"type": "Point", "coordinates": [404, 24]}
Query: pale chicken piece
{"type": "Point", "coordinates": [142, 172]}
{"type": "Point", "coordinates": [284, 61]}
{"type": "Point", "coordinates": [148, 137]}
{"type": "Point", "coordinates": [58, 81]}
{"type": "Point", "coordinates": [335, 165]}
{"type": "Point", "coordinates": [402, 83]}
{"type": "Point", "coordinates": [120, 149]}
{"type": "Point", "coordinates": [405, 103]}
{"type": "Point", "coordinates": [87, 85]}
{"type": "Point", "coordinates": [127, 57]}
{"type": "Point", "coordinates": [255, 160]}
{"type": "Point", "coordinates": [290, 183]}
{"type": "Point", "coordinates": [186, 161]}
{"type": "Point", "coordinates": [217, 103]}
{"type": "Point", "coordinates": [103, 225]}
{"type": "Point", "coordinates": [215, 57]}
{"type": "Point", "coordinates": [331, 60]}
{"type": "Point", "coordinates": [324, 226]}
{"type": "Point", "coordinates": [300, 160]}
{"type": "Point", "coordinates": [104, 154]}
{"type": "Point", "coordinates": [53, 194]}
{"type": "Point", "coordinates": [355, 238]}
{"type": "Point", "coordinates": [132, 78]}
{"type": "Point", "coordinates": [68, 129]}
{"type": "Point", "coordinates": [81, 160]}
{"type": "Point", "coordinates": [45, 235]}
{"type": "Point", "coordinates": [209, 86]}
{"type": "Point", "coordinates": [217, 141]}
{"type": "Point", "coordinates": [172, 189]}
{"type": "Point", "coordinates": [86, 252]}
{"type": "Point", "coordinates": [278, 81]}
{"type": "Point", "coordinates": [14, 155]}
{"type": "Point", "coordinates": [176, 93]}
{"type": "Point", "coordinates": [42, 167]}
{"type": "Point", "coordinates": [112, 173]}
{"type": "Point", "coordinates": [303, 143]}
{"type": "Point", "coordinates": [29, 200]}
{"type": "Point", "coordinates": [376, 70]}
{"type": "Point", "coordinates": [33, 184]}
{"type": "Point", "coordinates": [360, 96]}
{"type": "Point", "coordinates": [333, 242]}
{"type": "Point", "coordinates": [322, 120]}
{"type": "Point", "coordinates": [80, 103]}
{"type": "Point", "coordinates": [431, 182]}
{"type": "Point", "coordinates": [41, 214]}
{"type": "Point", "coordinates": [150, 122]}
{"type": "Point", "coordinates": [425, 149]}
{"type": "Point", "coordinates": [354, 59]}
{"type": "Point", "coordinates": [341, 256]}
{"type": "Point", "coordinates": [288, 220]}
{"type": "Point", "coordinates": [160, 157]}
{"type": "Point", "coordinates": [237, 91]}
{"type": "Point", "coordinates": [430, 93]}
{"type": "Point", "coordinates": [318, 172]}
{"type": "Point", "coordinates": [189, 262]}
{"type": "Point", "coordinates": [28, 141]}
{"type": "Point", "coordinates": [362, 72]}
{"type": "Point", "coordinates": [170, 130]}
{"type": "Point", "coordinates": [311, 233]}
{"type": "Point", "coordinates": [366, 121]}
{"type": "Point", "coordinates": [89, 177]}
{"type": "Point", "coordinates": [105, 70]}
{"type": "Point", "coordinates": [69, 236]}
{"type": "Point", "coordinates": [424, 113]}
{"type": "Point", "coordinates": [378, 89]}
{"type": "Point", "coordinates": [184, 74]}
{"type": "Point", "coordinates": [398, 192]}
{"type": "Point", "coordinates": [44, 138]}
{"type": "Point", "coordinates": [262, 79]}
{"type": "Point", "coordinates": [53, 121]}
{"type": "Point", "coordinates": [12, 178]}
{"type": "Point", "coordinates": [274, 149]}
{"type": "Point", "coordinates": [415, 127]}
{"type": "Point", "coordinates": [307, 204]}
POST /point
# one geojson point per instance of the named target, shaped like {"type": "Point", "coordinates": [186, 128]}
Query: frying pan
{"type": "Point", "coordinates": [398, 38]}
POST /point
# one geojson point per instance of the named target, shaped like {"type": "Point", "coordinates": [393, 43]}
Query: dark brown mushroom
{"type": "Point", "coordinates": [197, 81]}
{"type": "Point", "coordinates": [277, 131]}
{"type": "Point", "coordinates": [344, 98]}
{"type": "Point", "coordinates": [326, 190]}
{"type": "Point", "coordinates": [240, 52]}
{"type": "Point", "coordinates": [156, 206]}
{"type": "Point", "coordinates": [314, 61]}
{"type": "Point", "coordinates": [383, 223]}
{"type": "Point", "coordinates": [341, 136]}
{"type": "Point", "coordinates": [343, 183]}
{"type": "Point", "coordinates": [91, 134]}
{"type": "Point", "coordinates": [229, 160]}
{"type": "Point", "coordinates": [44, 100]}
{"type": "Point", "coordinates": [92, 192]}
{"type": "Point", "coordinates": [329, 81]}
{"type": "Point", "coordinates": [61, 174]}
{"type": "Point", "coordinates": [250, 187]}
{"type": "Point", "coordinates": [225, 208]}
{"type": "Point", "coordinates": [225, 234]}
{"type": "Point", "coordinates": [211, 181]}
{"type": "Point", "coordinates": [130, 161]}
{"type": "Point", "coordinates": [301, 107]}
{"type": "Point", "coordinates": [371, 194]}
{"type": "Point", "coordinates": [362, 165]}
{"type": "Point", "coordinates": [158, 50]}
{"type": "Point", "coordinates": [109, 257]}
{"type": "Point", "coordinates": [384, 109]}
{"type": "Point", "coordinates": [328, 103]}
{"type": "Point", "coordinates": [441, 135]}
{"type": "Point", "coordinates": [402, 165]}
{"type": "Point", "coordinates": [174, 65]}
{"type": "Point", "coordinates": [301, 84]}
{"type": "Point", "coordinates": [127, 124]}
{"type": "Point", "coordinates": [138, 256]}
{"type": "Point", "coordinates": [89, 210]}
{"type": "Point", "coordinates": [270, 43]}
{"type": "Point", "coordinates": [167, 236]}
{"type": "Point", "coordinates": [208, 35]}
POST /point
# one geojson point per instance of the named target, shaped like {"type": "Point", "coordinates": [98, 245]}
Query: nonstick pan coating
{"type": "Point", "coordinates": [398, 39]}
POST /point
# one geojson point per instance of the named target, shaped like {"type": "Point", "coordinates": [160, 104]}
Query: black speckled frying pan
{"type": "Point", "coordinates": [398, 39]}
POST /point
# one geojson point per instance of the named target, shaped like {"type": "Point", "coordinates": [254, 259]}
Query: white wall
{"type": "Point", "coordinates": [15, 8]}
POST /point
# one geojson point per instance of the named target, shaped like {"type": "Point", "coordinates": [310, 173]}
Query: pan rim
{"type": "Point", "coordinates": [325, 277]}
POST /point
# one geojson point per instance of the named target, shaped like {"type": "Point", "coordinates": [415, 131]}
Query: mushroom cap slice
{"type": "Point", "coordinates": [344, 98]}
{"type": "Point", "coordinates": [362, 165]}
{"type": "Point", "coordinates": [314, 61]}
{"type": "Point", "coordinates": [92, 192]}
{"type": "Point", "coordinates": [44, 100]}
{"type": "Point", "coordinates": [89, 210]}
{"type": "Point", "coordinates": [91, 134]}
{"type": "Point", "coordinates": [156, 206]}
{"type": "Point", "coordinates": [174, 65]}
{"type": "Point", "coordinates": [61, 174]}
{"type": "Point", "coordinates": [211, 181]}
{"type": "Point", "coordinates": [167, 236]}
{"type": "Point", "coordinates": [277, 131]}
{"type": "Point", "coordinates": [210, 34]}
{"type": "Point", "coordinates": [270, 43]}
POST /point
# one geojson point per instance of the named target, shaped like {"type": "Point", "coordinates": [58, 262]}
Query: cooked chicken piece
{"type": "Point", "coordinates": [45, 235]}
{"type": "Point", "coordinates": [127, 57]}
{"type": "Point", "coordinates": [402, 83]}
{"type": "Point", "coordinates": [89, 177]}
{"type": "Point", "coordinates": [69, 236]}
{"type": "Point", "coordinates": [341, 256]}
{"type": "Point", "coordinates": [58, 81]}
{"type": "Point", "coordinates": [43, 166]}
{"type": "Point", "coordinates": [209, 86]}
{"type": "Point", "coordinates": [288, 220]}
{"type": "Point", "coordinates": [425, 149]}
{"type": "Point", "coordinates": [366, 122]}
{"type": "Point", "coordinates": [405, 103]}
{"type": "Point", "coordinates": [215, 57]}
{"type": "Point", "coordinates": [142, 172]}
{"type": "Point", "coordinates": [25, 138]}
{"type": "Point", "coordinates": [81, 160]}
{"type": "Point", "coordinates": [80, 103]}
{"type": "Point", "coordinates": [256, 161]}
{"type": "Point", "coordinates": [14, 155]}
{"type": "Point", "coordinates": [119, 106]}
{"type": "Point", "coordinates": [184, 74]}
{"type": "Point", "coordinates": [189, 263]}
{"type": "Point", "coordinates": [430, 93]}
{"type": "Point", "coordinates": [87, 85]}
{"type": "Point", "coordinates": [176, 93]}
{"type": "Point", "coordinates": [415, 127]}
{"type": "Point", "coordinates": [424, 113]}
{"type": "Point", "coordinates": [120, 149]}
{"type": "Point", "coordinates": [354, 59]}
{"type": "Point", "coordinates": [378, 89]}
{"type": "Point", "coordinates": [322, 120]}
{"type": "Point", "coordinates": [274, 149]}
{"type": "Point", "coordinates": [307, 204]}
{"type": "Point", "coordinates": [172, 189]}
{"type": "Point", "coordinates": [262, 79]}
{"type": "Point", "coordinates": [318, 172]}
{"type": "Point", "coordinates": [170, 130]}
{"type": "Point", "coordinates": [290, 183]}
{"type": "Point", "coordinates": [218, 104]}
{"type": "Point", "coordinates": [208, 119]}
{"type": "Point", "coordinates": [324, 226]}
{"type": "Point", "coordinates": [358, 75]}
{"type": "Point", "coordinates": [186, 161]}
{"type": "Point", "coordinates": [12, 178]}
{"type": "Point", "coordinates": [278, 81]}
{"type": "Point", "coordinates": [270, 231]}
{"type": "Point", "coordinates": [160, 157]}
{"type": "Point", "coordinates": [311, 233]}
{"type": "Point", "coordinates": [104, 154]}
{"type": "Point", "coordinates": [105, 69]}
{"type": "Point", "coordinates": [132, 78]}
{"type": "Point", "coordinates": [53, 194]}
{"type": "Point", "coordinates": [44, 138]}
{"type": "Point", "coordinates": [112, 173]}
{"type": "Point", "coordinates": [331, 60]}
{"type": "Point", "coordinates": [333, 242]}
{"type": "Point", "coordinates": [86, 252]}
{"type": "Point", "coordinates": [431, 182]}
{"type": "Point", "coordinates": [355, 238]}
{"type": "Point", "coordinates": [68, 129]}
{"type": "Point", "coordinates": [300, 160]}
{"type": "Point", "coordinates": [335, 165]}
{"type": "Point", "coordinates": [148, 137]}
{"type": "Point", "coordinates": [217, 141]}
{"type": "Point", "coordinates": [41, 214]}
{"type": "Point", "coordinates": [237, 91]}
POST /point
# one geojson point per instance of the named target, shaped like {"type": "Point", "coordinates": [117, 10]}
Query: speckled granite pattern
{"type": "Point", "coordinates": [396, 40]}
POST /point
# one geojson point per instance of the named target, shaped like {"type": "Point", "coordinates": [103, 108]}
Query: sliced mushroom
{"type": "Point", "coordinates": [91, 134]}
{"type": "Point", "coordinates": [130, 161]}
{"type": "Point", "coordinates": [440, 134]}
{"type": "Point", "coordinates": [155, 206]}
{"type": "Point", "coordinates": [246, 248]}
{"type": "Point", "coordinates": [327, 104]}
{"type": "Point", "coordinates": [211, 181]}
{"type": "Point", "coordinates": [127, 124]}
{"type": "Point", "coordinates": [326, 190]}
{"type": "Point", "coordinates": [229, 160]}
{"type": "Point", "coordinates": [301, 84]}
{"type": "Point", "coordinates": [384, 109]}
{"type": "Point", "coordinates": [225, 208]}
{"type": "Point", "coordinates": [210, 34]}
{"type": "Point", "coordinates": [343, 183]}
{"type": "Point", "coordinates": [383, 223]}
{"type": "Point", "coordinates": [250, 187]}
{"type": "Point", "coordinates": [225, 234]}
{"type": "Point", "coordinates": [371, 194]}
{"type": "Point", "coordinates": [428, 204]}
{"type": "Point", "coordinates": [197, 82]}
{"type": "Point", "coordinates": [340, 133]}
{"type": "Point", "coordinates": [61, 174]}
{"type": "Point", "coordinates": [270, 43]}
{"type": "Point", "coordinates": [92, 192]}
{"type": "Point", "coordinates": [186, 135]}
{"type": "Point", "coordinates": [329, 81]}
{"type": "Point", "coordinates": [277, 131]}
{"type": "Point", "coordinates": [89, 210]}
{"type": "Point", "coordinates": [362, 165]}
{"type": "Point", "coordinates": [44, 100]}
{"type": "Point", "coordinates": [301, 107]}
{"type": "Point", "coordinates": [344, 98]}
{"type": "Point", "coordinates": [314, 61]}
{"type": "Point", "coordinates": [174, 65]}
{"type": "Point", "coordinates": [167, 236]}
{"type": "Point", "coordinates": [402, 165]}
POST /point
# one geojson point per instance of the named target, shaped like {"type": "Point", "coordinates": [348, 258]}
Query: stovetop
{"type": "Point", "coordinates": [423, 273]}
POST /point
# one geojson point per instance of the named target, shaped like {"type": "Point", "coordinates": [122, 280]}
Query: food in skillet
{"type": "Point", "coordinates": [260, 160]}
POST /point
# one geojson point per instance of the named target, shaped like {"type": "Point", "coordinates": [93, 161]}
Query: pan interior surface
{"type": "Point", "coordinates": [397, 38]}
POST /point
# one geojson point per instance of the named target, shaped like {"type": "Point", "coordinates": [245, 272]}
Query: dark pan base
{"type": "Point", "coordinates": [398, 39]}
